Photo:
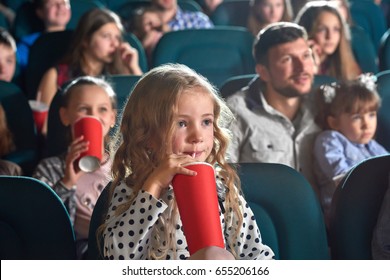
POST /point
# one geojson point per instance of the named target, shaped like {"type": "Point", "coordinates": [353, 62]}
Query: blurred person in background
{"type": "Point", "coordinates": [55, 15]}
{"type": "Point", "coordinates": [97, 49]}
{"type": "Point", "coordinates": [7, 70]}
{"type": "Point", "coordinates": [264, 12]}
{"type": "Point", "coordinates": [177, 19]}
{"type": "Point", "coordinates": [329, 39]}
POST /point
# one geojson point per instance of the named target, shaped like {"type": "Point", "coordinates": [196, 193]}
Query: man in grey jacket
{"type": "Point", "coordinates": [275, 121]}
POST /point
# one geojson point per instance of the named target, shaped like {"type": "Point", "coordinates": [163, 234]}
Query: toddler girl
{"type": "Point", "coordinates": [348, 115]}
{"type": "Point", "coordinates": [85, 96]}
{"type": "Point", "coordinates": [173, 117]}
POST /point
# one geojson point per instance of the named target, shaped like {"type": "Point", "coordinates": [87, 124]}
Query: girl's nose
{"type": "Point", "coordinates": [364, 122]}
{"type": "Point", "coordinates": [328, 34]}
{"type": "Point", "coordinates": [115, 42]}
{"type": "Point", "coordinates": [196, 135]}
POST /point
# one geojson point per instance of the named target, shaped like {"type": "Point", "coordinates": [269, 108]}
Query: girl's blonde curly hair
{"type": "Point", "coordinates": [149, 115]}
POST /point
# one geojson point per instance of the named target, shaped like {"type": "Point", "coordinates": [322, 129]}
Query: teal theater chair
{"type": "Point", "coordinates": [117, 5]}
{"type": "Point", "coordinates": [217, 53]}
{"type": "Point", "coordinates": [321, 80]}
{"type": "Point", "coordinates": [58, 136]}
{"type": "Point", "coordinates": [287, 211]}
{"type": "Point", "coordinates": [79, 7]}
{"type": "Point", "coordinates": [383, 83]}
{"type": "Point", "coordinates": [370, 17]}
{"type": "Point", "coordinates": [355, 208]}
{"type": "Point", "coordinates": [4, 22]}
{"type": "Point", "coordinates": [34, 223]}
{"type": "Point", "coordinates": [47, 50]}
{"type": "Point", "coordinates": [123, 86]}
{"type": "Point", "coordinates": [231, 13]}
{"type": "Point", "coordinates": [384, 52]}
{"type": "Point", "coordinates": [234, 84]}
{"type": "Point", "coordinates": [21, 123]}
{"type": "Point", "coordinates": [26, 21]}
{"type": "Point", "coordinates": [364, 51]}
{"type": "Point", "coordinates": [383, 129]}
{"type": "Point", "coordinates": [14, 4]}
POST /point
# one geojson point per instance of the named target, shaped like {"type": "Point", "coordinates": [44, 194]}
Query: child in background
{"type": "Point", "coordinates": [173, 117]}
{"type": "Point", "coordinates": [55, 15]}
{"type": "Point", "coordinates": [7, 56]}
{"type": "Point", "coordinates": [96, 49]}
{"type": "Point", "coordinates": [330, 39]}
{"type": "Point", "coordinates": [6, 146]}
{"type": "Point", "coordinates": [348, 116]}
{"type": "Point", "coordinates": [85, 96]}
{"type": "Point", "coordinates": [7, 70]}
{"type": "Point", "coordinates": [148, 27]}
{"type": "Point", "coordinates": [264, 12]}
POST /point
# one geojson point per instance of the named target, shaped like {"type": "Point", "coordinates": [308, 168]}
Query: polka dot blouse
{"type": "Point", "coordinates": [129, 235]}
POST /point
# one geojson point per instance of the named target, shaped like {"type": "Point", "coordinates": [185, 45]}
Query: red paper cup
{"type": "Point", "coordinates": [40, 111]}
{"type": "Point", "coordinates": [197, 201]}
{"type": "Point", "coordinates": [92, 129]}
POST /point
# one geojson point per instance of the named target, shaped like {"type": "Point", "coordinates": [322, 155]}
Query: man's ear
{"type": "Point", "coordinates": [332, 122]}
{"type": "Point", "coordinates": [64, 116]}
{"type": "Point", "coordinates": [262, 71]}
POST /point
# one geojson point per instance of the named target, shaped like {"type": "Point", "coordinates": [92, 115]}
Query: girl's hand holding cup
{"type": "Point", "coordinates": [72, 172]}
{"type": "Point", "coordinates": [197, 201]}
{"type": "Point", "coordinates": [162, 176]}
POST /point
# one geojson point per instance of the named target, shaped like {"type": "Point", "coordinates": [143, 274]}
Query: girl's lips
{"type": "Point", "coordinates": [193, 154]}
{"type": "Point", "coordinates": [367, 135]}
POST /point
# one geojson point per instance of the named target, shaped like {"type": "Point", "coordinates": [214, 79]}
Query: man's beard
{"type": "Point", "coordinates": [289, 91]}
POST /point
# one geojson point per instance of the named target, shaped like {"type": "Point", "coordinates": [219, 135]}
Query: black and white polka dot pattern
{"type": "Point", "coordinates": [129, 235]}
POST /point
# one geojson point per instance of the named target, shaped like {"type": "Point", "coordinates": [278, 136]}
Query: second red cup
{"type": "Point", "coordinates": [40, 111]}
{"type": "Point", "coordinates": [197, 200]}
{"type": "Point", "coordinates": [92, 129]}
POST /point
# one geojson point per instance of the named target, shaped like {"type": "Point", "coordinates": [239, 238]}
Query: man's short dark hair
{"type": "Point", "coordinates": [275, 34]}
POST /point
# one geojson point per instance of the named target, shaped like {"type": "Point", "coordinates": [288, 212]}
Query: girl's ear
{"type": "Point", "coordinates": [262, 71]}
{"type": "Point", "coordinates": [64, 116]}
{"type": "Point", "coordinates": [332, 122]}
